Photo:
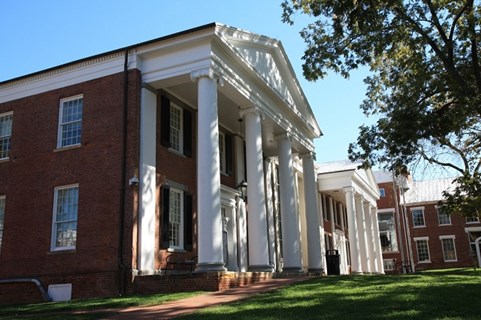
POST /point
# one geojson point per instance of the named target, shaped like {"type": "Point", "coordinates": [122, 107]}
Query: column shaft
{"type": "Point", "coordinates": [290, 223]}
{"type": "Point", "coordinates": [353, 233]}
{"type": "Point", "coordinates": [361, 228]}
{"type": "Point", "coordinates": [257, 223]}
{"type": "Point", "coordinates": [312, 214]}
{"type": "Point", "coordinates": [208, 176]}
{"type": "Point", "coordinates": [370, 237]}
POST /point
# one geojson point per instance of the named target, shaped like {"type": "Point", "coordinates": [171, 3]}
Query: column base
{"type": "Point", "coordinates": [317, 271]}
{"type": "Point", "coordinates": [210, 267]}
{"type": "Point", "coordinates": [260, 268]}
{"type": "Point", "coordinates": [292, 270]}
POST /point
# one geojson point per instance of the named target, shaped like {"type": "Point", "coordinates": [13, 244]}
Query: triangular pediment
{"type": "Point", "coordinates": [266, 57]}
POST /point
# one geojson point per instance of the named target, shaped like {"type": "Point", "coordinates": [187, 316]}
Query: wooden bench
{"type": "Point", "coordinates": [174, 260]}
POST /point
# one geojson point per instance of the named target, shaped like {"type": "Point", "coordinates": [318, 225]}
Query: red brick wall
{"type": "Point", "coordinates": [433, 230]}
{"type": "Point", "coordinates": [35, 169]}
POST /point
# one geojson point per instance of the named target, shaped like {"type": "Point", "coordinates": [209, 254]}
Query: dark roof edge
{"type": "Point", "coordinates": [173, 35]}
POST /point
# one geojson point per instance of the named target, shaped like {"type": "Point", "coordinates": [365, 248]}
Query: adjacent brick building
{"type": "Point", "coordinates": [432, 239]}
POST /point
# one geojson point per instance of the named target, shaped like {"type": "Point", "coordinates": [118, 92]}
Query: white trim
{"type": "Point", "coordinates": [416, 239]}
{"type": "Point", "coordinates": [424, 217]}
{"type": "Point", "coordinates": [2, 115]}
{"type": "Point", "coordinates": [180, 149]}
{"type": "Point", "coordinates": [53, 238]}
{"type": "Point", "coordinates": [386, 210]}
{"type": "Point", "coordinates": [173, 190]}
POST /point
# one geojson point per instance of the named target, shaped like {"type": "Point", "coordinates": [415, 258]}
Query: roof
{"type": "Point", "coordinates": [337, 166]}
{"type": "Point", "coordinates": [382, 176]}
{"type": "Point", "coordinates": [428, 190]}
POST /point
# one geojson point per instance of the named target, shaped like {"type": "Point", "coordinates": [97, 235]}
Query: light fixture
{"type": "Point", "coordinates": [242, 188]}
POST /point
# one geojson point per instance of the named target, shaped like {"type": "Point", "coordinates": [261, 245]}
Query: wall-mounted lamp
{"type": "Point", "coordinates": [134, 181]}
{"type": "Point", "coordinates": [242, 188]}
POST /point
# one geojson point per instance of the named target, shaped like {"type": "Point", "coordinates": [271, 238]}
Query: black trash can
{"type": "Point", "coordinates": [333, 262]}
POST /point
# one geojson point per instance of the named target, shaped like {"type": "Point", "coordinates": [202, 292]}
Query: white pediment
{"type": "Point", "coordinates": [266, 57]}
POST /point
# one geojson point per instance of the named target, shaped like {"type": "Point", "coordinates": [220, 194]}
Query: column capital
{"type": "Point", "coordinates": [308, 155]}
{"type": "Point", "coordinates": [285, 135]}
{"type": "Point", "coordinates": [251, 110]}
{"type": "Point", "coordinates": [209, 73]}
{"type": "Point", "coordinates": [348, 189]}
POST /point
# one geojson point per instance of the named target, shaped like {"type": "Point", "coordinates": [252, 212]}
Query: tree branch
{"type": "Point", "coordinates": [444, 164]}
{"type": "Point", "coordinates": [474, 45]}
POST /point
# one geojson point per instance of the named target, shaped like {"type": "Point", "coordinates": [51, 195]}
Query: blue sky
{"type": "Point", "coordinates": [36, 35]}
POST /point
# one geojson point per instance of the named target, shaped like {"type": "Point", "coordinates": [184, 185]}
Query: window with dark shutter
{"type": "Point", "coordinates": [164, 234]}
{"type": "Point", "coordinates": [176, 127]}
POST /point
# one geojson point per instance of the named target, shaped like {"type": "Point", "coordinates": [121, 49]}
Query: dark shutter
{"type": "Point", "coordinates": [165, 122]}
{"type": "Point", "coordinates": [228, 154]}
{"type": "Point", "coordinates": [187, 119]}
{"type": "Point", "coordinates": [164, 229]}
{"type": "Point", "coordinates": [188, 221]}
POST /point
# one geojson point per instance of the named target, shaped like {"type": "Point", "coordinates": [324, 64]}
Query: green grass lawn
{"type": "Point", "coordinates": [77, 309]}
{"type": "Point", "coordinates": [445, 294]}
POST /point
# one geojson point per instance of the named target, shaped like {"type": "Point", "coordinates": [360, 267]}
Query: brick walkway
{"type": "Point", "coordinates": [189, 305]}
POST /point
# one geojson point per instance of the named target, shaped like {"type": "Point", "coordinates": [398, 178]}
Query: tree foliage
{"type": "Point", "coordinates": [425, 80]}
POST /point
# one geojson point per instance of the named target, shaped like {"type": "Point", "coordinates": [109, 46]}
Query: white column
{"type": "Point", "coordinates": [208, 174]}
{"type": "Point", "coordinates": [321, 230]}
{"type": "Point", "coordinates": [147, 187]}
{"type": "Point", "coordinates": [333, 223]}
{"type": "Point", "coordinates": [377, 242]}
{"type": "Point", "coordinates": [256, 204]}
{"type": "Point", "coordinates": [312, 214]}
{"type": "Point", "coordinates": [241, 235]}
{"type": "Point", "coordinates": [353, 234]}
{"type": "Point", "coordinates": [361, 229]}
{"type": "Point", "coordinates": [370, 237]}
{"type": "Point", "coordinates": [291, 248]}
{"type": "Point", "coordinates": [270, 213]}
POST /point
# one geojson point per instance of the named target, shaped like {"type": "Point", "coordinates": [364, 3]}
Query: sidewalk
{"type": "Point", "coordinates": [190, 305]}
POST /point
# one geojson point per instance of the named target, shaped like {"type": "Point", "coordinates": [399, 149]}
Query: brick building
{"type": "Point", "coordinates": [432, 239]}
{"type": "Point", "coordinates": [117, 168]}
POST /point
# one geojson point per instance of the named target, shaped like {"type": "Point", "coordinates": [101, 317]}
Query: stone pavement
{"type": "Point", "coordinates": [189, 305]}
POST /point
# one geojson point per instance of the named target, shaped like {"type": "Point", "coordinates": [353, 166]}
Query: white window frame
{"type": "Point", "coordinates": [453, 238]}
{"type": "Point", "coordinates": [8, 135]}
{"type": "Point", "coordinates": [424, 218]}
{"type": "Point", "coordinates": [222, 153]}
{"type": "Point", "coordinates": [53, 243]}
{"type": "Point", "coordinates": [382, 192]}
{"type": "Point", "coordinates": [389, 233]}
{"type": "Point", "coordinates": [62, 124]}
{"type": "Point", "coordinates": [468, 221]}
{"type": "Point", "coordinates": [180, 147]}
{"type": "Point", "coordinates": [426, 239]}
{"type": "Point", "coordinates": [438, 210]}
{"type": "Point", "coordinates": [180, 213]}
{"type": "Point", "coordinates": [2, 218]}
{"type": "Point", "coordinates": [389, 264]}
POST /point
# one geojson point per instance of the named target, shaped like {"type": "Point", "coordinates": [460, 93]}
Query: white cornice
{"type": "Point", "coordinates": [70, 74]}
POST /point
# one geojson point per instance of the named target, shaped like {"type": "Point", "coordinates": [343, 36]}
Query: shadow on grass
{"type": "Point", "coordinates": [449, 295]}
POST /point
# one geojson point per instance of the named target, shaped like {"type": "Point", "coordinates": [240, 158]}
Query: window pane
{"type": "Point", "coordinates": [65, 223]}
{"type": "Point", "coordinates": [5, 133]}
{"type": "Point", "coordinates": [418, 217]}
{"type": "Point", "coordinates": [71, 122]}
{"type": "Point", "coordinates": [175, 219]}
{"type": "Point", "coordinates": [449, 250]}
{"type": "Point", "coordinates": [222, 152]}
{"type": "Point", "coordinates": [387, 232]}
{"type": "Point", "coordinates": [176, 128]}
{"type": "Point", "coordinates": [443, 217]}
{"type": "Point", "coordinates": [423, 250]}
{"type": "Point", "coordinates": [2, 215]}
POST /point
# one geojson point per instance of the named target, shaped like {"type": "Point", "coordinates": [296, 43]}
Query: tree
{"type": "Point", "coordinates": [425, 82]}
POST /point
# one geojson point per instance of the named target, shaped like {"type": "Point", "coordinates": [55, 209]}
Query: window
{"type": "Point", "coordinates": [65, 207]}
{"type": "Point", "coordinates": [418, 217]}
{"type": "Point", "coordinates": [423, 249]}
{"type": "Point", "coordinates": [6, 120]}
{"type": "Point", "coordinates": [472, 219]}
{"type": "Point", "coordinates": [443, 217]}
{"type": "Point", "coordinates": [2, 216]}
{"type": "Point", "coordinates": [387, 231]}
{"type": "Point", "coordinates": [176, 127]}
{"type": "Point", "coordinates": [389, 264]}
{"type": "Point", "coordinates": [70, 122]}
{"type": "Point", "coordinates": [382, 192]}
{"type": "Point", "coordinates": [225, 153]}
{"type": "Point", "coordinates": [449, 248]}
{"type": "Point", "coordinates": [176, 226]}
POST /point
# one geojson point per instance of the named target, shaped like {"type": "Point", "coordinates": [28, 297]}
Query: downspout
{"type": "Point", "coordinates": [123, 175]}
{"type": "Point", "coordinates": [44, 293]}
